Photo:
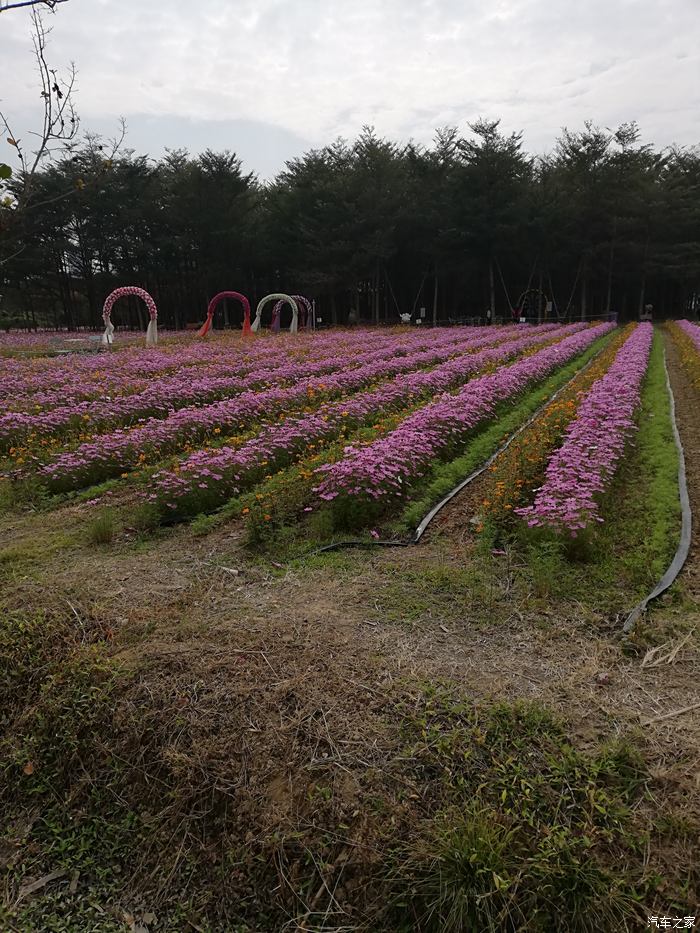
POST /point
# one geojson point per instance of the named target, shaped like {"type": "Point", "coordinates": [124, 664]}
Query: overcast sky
{"type": "Point", "coordinates": [269, 79]}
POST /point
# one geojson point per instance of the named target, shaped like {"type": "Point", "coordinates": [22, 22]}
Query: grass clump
{"type": "Point", "coordinates": [145, 518]}
{"type": "Point", "coordinates": [520, 830]}
{"type": "Point", "coordinates": [103, 528]}
{"type": "Point", "coordinates": [57, 689]}
{"type": "Point", "coordinates": [27, 493]}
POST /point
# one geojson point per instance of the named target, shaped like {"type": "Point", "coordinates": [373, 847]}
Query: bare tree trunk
{"type": "Point", "coordinates": [642, 292]}
{"type": "Point", "coordinates": [584, 293]}
{"type": "Point", "coordinates": [643, 285]}
{"type": "Point", "coordinates": [376, 294]}
{"type": "Point", "coordinates": [611, 262]}
{"type": "Point", "coordinates": [435, 297]}
{"type": "Point", "coordinates": [492, 290]}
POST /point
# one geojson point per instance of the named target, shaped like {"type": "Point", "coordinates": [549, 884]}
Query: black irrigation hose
{"type": "Point", "coordinates": [683, 549]}
{"type": "Point", "coordinates": [421, 529]}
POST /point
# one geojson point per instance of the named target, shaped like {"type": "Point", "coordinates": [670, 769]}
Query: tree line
{"type": "Point", "coordinates": [469, 226]}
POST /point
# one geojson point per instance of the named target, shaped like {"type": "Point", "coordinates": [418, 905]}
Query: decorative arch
{"type": "Point", "coordinates": [152, 330]}
{"type": "Point", "coordinates": [304, 313]}
{"type": "Point", "coordinates": [213, 304]}
{"type": "Point", "coordinates": [279, 297]}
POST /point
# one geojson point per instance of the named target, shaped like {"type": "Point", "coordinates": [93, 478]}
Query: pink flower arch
{"type": "Point", "coordinates": [126, 291]}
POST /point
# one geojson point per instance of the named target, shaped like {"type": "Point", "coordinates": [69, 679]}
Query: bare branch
{"type": "Point", "coordinates": [58, 134]}
{"type": "Point", "coordinates": [60, 120]}
{"type": "Point", "coordinates": [49, 4]}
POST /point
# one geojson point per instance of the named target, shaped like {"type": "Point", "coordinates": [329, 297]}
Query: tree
{"type": "Point", "coordinates": [369, 225]}
{"type": "Point", "coordinates": [491, 184]}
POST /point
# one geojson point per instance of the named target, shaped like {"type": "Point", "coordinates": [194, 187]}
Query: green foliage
{"type": "Point", "coordinates": [526, 832]}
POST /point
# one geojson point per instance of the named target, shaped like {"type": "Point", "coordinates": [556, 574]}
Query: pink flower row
{"type": "Point", "coordinates": [388, 466]}
{"type": "Point", "coordinates": [48, 383]}
{"type": "Point", "coordinates": [197, 385]}
{"type": "Point", "coordinates": [581, 469]}
{"type": "Point", "coordinates": [51, 381]}
{"type": "Point", "coordinates": [111, 454]}
{"type": "Point", "coordinates": [208, 478]}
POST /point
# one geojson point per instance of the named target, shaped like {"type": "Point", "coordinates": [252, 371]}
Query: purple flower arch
{"type": "Point", "coordinates": [304, 312]}
{"type": "Point", "coordinates": [127, 290]}
{"type": "Point", "coordinates": [213, 304]}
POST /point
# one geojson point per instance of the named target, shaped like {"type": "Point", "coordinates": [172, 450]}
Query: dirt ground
{"type": "Point", "coordinates": [294, 666]}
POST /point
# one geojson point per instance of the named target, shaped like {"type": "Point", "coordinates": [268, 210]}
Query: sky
{"type": "Point", "coordinates": [270, 79]}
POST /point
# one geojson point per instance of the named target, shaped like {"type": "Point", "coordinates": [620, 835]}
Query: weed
{"type": "Point", "coordinates": [522, 830]}
{"type": "Point", "coordinates": [546, 567]}
{"type": "Point", "coordinates": [28, 492]}
{"type": "Point", "coordinates": [145, 517]}
{"type": "Point", "coordinates": [102, 528]}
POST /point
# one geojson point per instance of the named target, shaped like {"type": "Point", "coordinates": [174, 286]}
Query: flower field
{"type": "Point", "coordinates": [191, 578]}
{"type": "Point", "coordinates": [346, 424]}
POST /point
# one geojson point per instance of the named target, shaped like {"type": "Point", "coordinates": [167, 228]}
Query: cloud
{"type": "Point", "coordinates": [315, 69]}
{"type": "Point", "coordinates": [262, 147]}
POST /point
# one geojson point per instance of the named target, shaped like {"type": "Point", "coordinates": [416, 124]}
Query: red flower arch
{"type": "Point", "coordinates": [206, 326]}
